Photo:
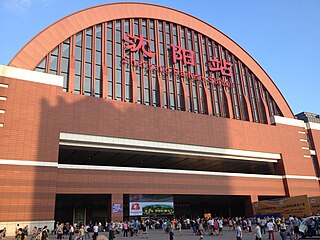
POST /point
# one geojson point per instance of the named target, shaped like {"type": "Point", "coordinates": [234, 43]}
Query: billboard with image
{"type": "Point", "coordinates": [145, 205]}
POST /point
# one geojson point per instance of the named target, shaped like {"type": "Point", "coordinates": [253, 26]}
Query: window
{"type": "Point", "coordinates": [98, 53]}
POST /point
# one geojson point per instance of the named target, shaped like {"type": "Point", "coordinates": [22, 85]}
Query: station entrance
{"type": "Point", "coordinates": [95, 208]}
{"type": "Point", "coordinates": [108, 156]}
{"type": "Point", "coordinates": [92, 208]}
{"type": "Point", "coordinates": [194, 206]}
{"type": "Point", "coordinates": [82, 208]}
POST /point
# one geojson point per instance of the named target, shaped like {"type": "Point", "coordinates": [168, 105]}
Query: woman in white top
{"type": "Point", "coordinates": [283, 230]}
{"type": "Point", "coordinates": [257, 232]}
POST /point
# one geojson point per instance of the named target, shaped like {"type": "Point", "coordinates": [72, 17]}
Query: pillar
{"type": "Point", "coordinates": [117, 207]}
{"type": "Point", "coordinates": [249, 205]}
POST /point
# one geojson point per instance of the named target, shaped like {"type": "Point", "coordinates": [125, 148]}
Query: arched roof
{"type": "Point", "coordinates": [38, 47]}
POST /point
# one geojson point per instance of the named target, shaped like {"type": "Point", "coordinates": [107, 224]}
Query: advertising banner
{"type": "Point", "coordinates": [117, 208]}
{"type": "Point", "coordinates": [298, 206]}
{"type": "Point", "coordinates": [315, 205]}
{"type": "Point", "coordinates": [151, 208]}
{"type": "Point", "coordinates": [135, 209]}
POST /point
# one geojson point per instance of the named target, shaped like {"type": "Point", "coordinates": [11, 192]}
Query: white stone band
{"type": "Point", "coordinates": [32, 76]}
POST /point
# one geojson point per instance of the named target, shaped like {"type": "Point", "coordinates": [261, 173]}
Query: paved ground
{"type": "Point", "coordinates": [187, 235]}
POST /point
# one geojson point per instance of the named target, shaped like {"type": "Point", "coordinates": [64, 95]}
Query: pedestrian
{"type": "Point", "coordinates": [144, 230]}
{"type": "Point", "coordinates": [71, 232]}
{"type": "Point", "coordinates": [17, 228]}
{"type": "Point", "coordinates": [20, 235]}
{"type": "Point", "coordinates": [95, 231]}
{"type": "Point", "coordinates": [179, 227]}
{"type": "Point", "coordinates": [125, 229]}
{"type": "Point", "coordinates": [257, 232]}
{"type": "Point", "coordinates": [270, 227]}
{"type": "Point", "coordinates": [295, 223]}
{"type": "Point", "coordinates": [111, 231]}
{"type": "Point", "coordinates": [3, 233]}
{"type": "Point", "coordinates": [249, 225]}
{"type": "Point", "coordinates": [171, 234]}
{"type": "Point", "coordinates": [34, 233]}
{"type": "Point", "coordinates": [82, 232]}
{"type": "Point", "coordinates": [263, 224]}
{"type": "Point", "coordinates": [25, 230]}
{"type": "Point", "coordinates": [44, 233]}
{"type": "Point", "coordinates": [60, 231]}
{"type": "Point", "coordinates": [136, 228]}
{"type": "Point", "coordinates": [238, 231]}
{"type": "Point", "coordinates": [220, 226]}
{"type": "Point", "coordinates": [200, 228]}
{"type": "Point", "coordinates": [283, 230]}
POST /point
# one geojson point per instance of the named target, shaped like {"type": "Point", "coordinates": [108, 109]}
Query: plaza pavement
{"type": "Point", "coordinates": [186, 235]}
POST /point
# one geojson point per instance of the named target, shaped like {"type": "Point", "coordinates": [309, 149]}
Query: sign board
{"type": "Point", "coordinates": [117, 207]}
{"type": "Point", "coordinates": [207, 215]}
{"type": "Point", "coordinates": [315, 205]}
{"type": "Point", "coordinates": [151, 208]}
{"type": "Point", "coordinates": [181, 55]}
{"type": "Point", "coordinates": [298, 206]}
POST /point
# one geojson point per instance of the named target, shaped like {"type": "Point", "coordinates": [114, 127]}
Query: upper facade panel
{"type": "Point", "coordinates": [152, 55]}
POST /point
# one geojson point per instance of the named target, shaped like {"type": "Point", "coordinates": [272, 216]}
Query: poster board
{"type": "Point", "coordinates": [315, 205]}
{"type": "Point", "coordinates": [298, 205]}
{"type": "Point", "coordinates": [151, 208]}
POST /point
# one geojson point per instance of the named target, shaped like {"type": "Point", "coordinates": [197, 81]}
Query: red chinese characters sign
{"type": "Point", "coordinates": [224, 67]}
{"type": "Point", "coordinates": [179, 54]}
{"type": "Point", "coordinates": [138, 42]}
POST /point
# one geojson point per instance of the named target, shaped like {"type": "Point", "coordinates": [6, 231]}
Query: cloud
{"type": "Point", "coordinates": [22, 6]}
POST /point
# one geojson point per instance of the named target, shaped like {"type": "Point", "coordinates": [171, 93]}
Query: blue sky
{"type": "Point", "coordinates": [281, 35]}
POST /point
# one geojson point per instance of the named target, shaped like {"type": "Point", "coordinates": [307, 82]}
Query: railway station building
{"type": "Point", "coordinates": [129, 110]}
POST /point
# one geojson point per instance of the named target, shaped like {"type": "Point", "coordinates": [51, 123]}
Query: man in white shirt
{"type": "Point", "coordinates": [238, 232]}
{"type": "Point", "coordinates": [257, 232]}
{"type": "Point", "coordinates": [95, 231]}
{"type": "Point", "coordinates": [71, 232]}
{"type": "Point", "coordinates": [220, 225]}
{"type": "Point", "coordinates": [211, 222]}
{"type": "Point", "coordinates": [270, 228]}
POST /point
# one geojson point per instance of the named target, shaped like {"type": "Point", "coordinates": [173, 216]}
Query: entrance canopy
{"type": "Point", "coordinates": [79, 149]}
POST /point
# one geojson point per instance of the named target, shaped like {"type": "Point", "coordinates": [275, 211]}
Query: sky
{"type": "Point", "coordinates": [283, 36]}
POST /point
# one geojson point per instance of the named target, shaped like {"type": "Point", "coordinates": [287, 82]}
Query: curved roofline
{"type": "Point", "coordinates": [16, 62]}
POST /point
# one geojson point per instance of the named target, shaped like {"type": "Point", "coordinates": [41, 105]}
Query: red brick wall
{"type": "Point", "coordinates": [37, 113]}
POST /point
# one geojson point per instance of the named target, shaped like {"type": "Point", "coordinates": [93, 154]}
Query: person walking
{"type": "Point", "coordinates": [238, 231]}
{"type": "Point", "coordinates": [95, 231]}
{"type": "Point", "coordinates": [171, 234]}
{"type": "Point", "coordinates": [60, 231]}
{"type": "Point", "coordinates": [220, 226]}
{"type": "Point", "coordinates": [111, 231]}
{"type": "Point", "coordinates": [34, 233]}
{"type": "Point", "coordinates": [270, 227]}
{"type": "Point", "coordinates": [179, 227]}
{"type": "Point", "coordinates": [257, 231]}
{"type": "Point", "coordinates": [283, 230]}
{"type": "Point", "coordinates": [125, 229]}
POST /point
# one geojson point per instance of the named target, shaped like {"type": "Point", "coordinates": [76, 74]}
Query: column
{"type": "Point", "coordinates": [249, 205]}
{"type": "Point", "coordinates": [117, 207]}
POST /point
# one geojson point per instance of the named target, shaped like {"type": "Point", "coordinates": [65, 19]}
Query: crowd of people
{"type": "Point", "coordinates": [201, 227]}
{"type": "Point", "coordinates": [23, 233]}
{"type": "Point", "coordinates": [259, 227]}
